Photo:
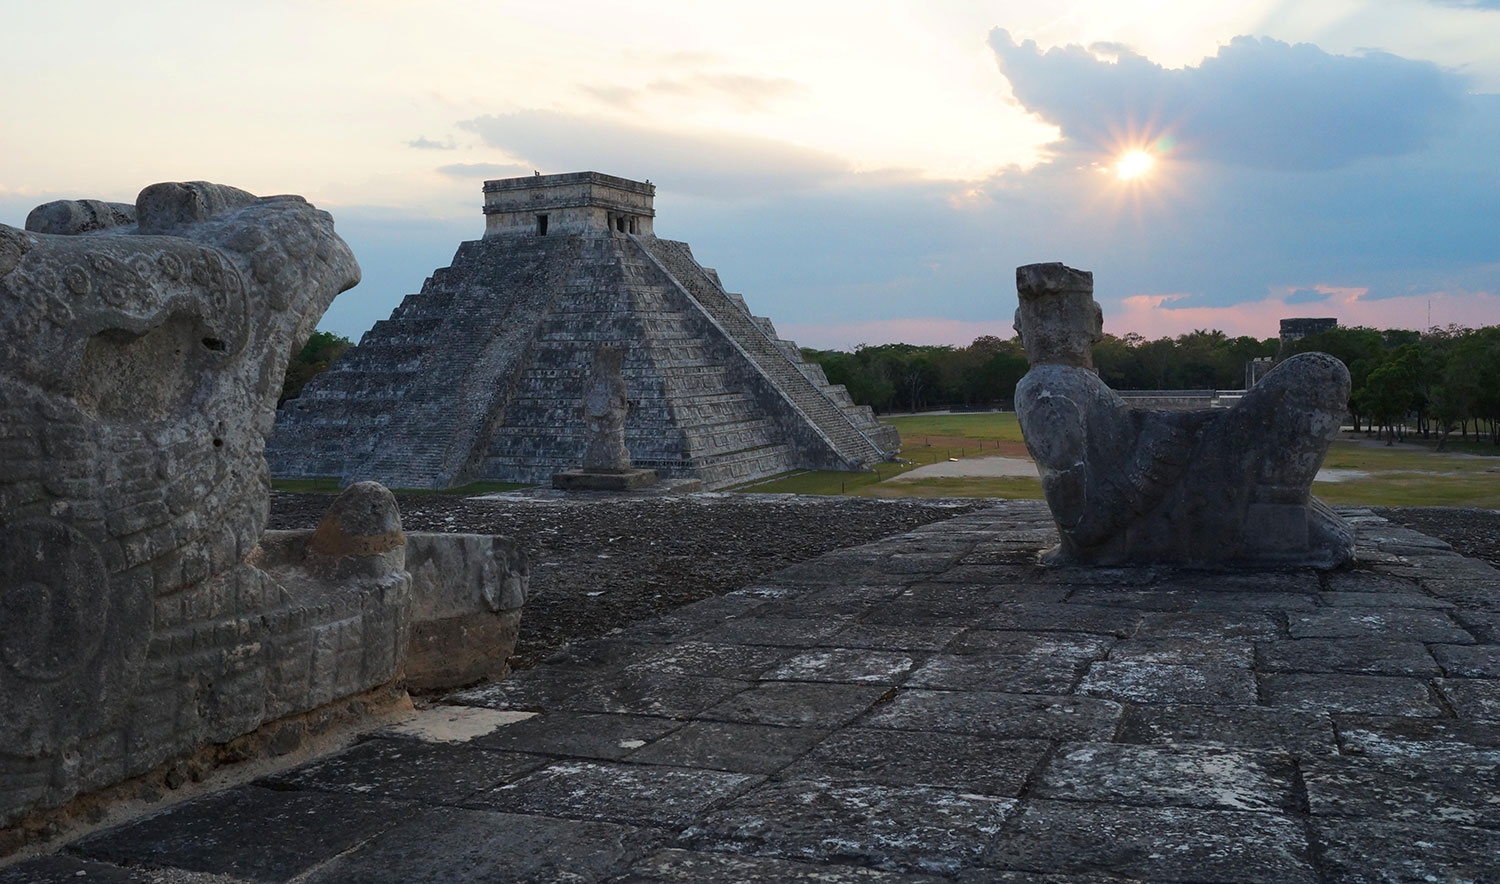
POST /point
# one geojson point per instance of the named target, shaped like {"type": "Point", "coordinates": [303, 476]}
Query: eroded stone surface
{"type": "Point", "coordinates": [908, 828]}
{"type": "Point", "coordinates": [1156, 843]}
{"type": "Point", "coordinates": [141, 356]}
{"type": "Point", "coordinates": [640, 794]}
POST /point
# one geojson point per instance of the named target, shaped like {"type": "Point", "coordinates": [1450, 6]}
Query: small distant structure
{"type": "Point", "coordinates": [483, 374]}
{"type": "Point", "coordinates": [1256, 369]}
{"type": "Point", "coordinates": [1298, 328]}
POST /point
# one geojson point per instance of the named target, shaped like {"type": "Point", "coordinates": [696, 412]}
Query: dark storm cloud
{"type": "Point", "coordinates": [703, 163]}
{"type": "Point", "coordinates": [1259, 102]}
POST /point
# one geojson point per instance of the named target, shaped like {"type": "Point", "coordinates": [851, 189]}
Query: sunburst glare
{"type": "Point", "coordinates": [1134, 164]}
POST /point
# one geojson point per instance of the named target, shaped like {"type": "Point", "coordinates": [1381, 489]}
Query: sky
{"type": "Point", "coordinates": [863, 172]}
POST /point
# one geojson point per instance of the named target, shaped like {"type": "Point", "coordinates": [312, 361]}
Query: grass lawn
{"type": "Point", "coordinates": [1396, 476]}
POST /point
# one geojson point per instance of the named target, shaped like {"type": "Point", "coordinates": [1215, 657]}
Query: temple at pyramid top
{"type": "Point", "coordinates": [576, 202]}
{"type": "Point", "coordinates": [481, 374]}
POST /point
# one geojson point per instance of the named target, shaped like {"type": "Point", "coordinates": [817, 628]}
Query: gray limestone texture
{"type": "Point", "coordinates": [141, 351]}
{"type": "Point", "coordinates": [672, 757]}
{"type": "Point", "coordinates": [144, 612]}
{"type": "Point", "coordinates": [605, 408]}
{"type": "Point", "coordinates": [1212, 487]}
{"type": "Point", "coordinates": [483, 374]}
{"type": "Point", "coordinates": [140, 354]}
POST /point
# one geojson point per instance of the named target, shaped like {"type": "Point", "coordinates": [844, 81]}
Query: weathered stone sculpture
{"type": "Point", "coordinates": [144, 614]}
{"type": "Point", "coordinates": [606, 461]}
{"type": "Point", "coordinates": [1227, 486]}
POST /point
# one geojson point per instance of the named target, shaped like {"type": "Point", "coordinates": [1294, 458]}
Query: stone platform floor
{"type": "Point", "coordinates": [931, 707]}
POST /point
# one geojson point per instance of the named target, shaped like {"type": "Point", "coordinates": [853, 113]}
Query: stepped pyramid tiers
{"type": "Point", "coordinates": [482, 375]}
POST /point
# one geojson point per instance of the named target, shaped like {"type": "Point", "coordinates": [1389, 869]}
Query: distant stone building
{"type": "Point", "coordinates": [481, 375]}
{"type": "Point", "coordinates": [1297, 329]}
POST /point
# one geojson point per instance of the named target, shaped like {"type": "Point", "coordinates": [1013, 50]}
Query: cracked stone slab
{"type": "Point", "coordinates": [1278, 584]}
{"type": "Point", "coordinates": [450, 845]}
{"type": "Point", "coordinates": [731, 746]}
{"type": "Point", "coordinates": [674, 866]}
{"type": "Point", "coordinates": [1148, 599]}
{"type": "Point", "coordinates": [895, 637]}
{"type": "Point", "coordinates": [791, 632]}
{"type": "Point", "coordinates": [249, 832]}
{"type": "Point", "coordinates": [850, 666]}
{"type": "Point", "coordinates": [1243, 727]}
{"type": "Point", "coordinates": [993, 672]}
{"type": "Point", "coordinates": [906, 828]}
{"type": "Point", "coordinates": [1388, 623]}
{"type": "Point", "coordinates": [1069, 647]}
{"type": "Point", "coordinates": [986, 713]}
{"type": "Point", "coordinates": [839, 602]}
{"type": "Point", "coordinates": [1210, 626]}
{"type": "Point", "coordinates": [1206, 684]}
{"type": "Point", "coordinates": [636, 794]}
{"type": "Point", "coordinates": [1240, 602]}
{"type": "Point", "coordinates": [1184, 651]}
{"type": "Point", "coordinates": [435, 773]}
{"type": "Point", "coordinates": [1368, 656]}
{"type": "Point", "coordinates": [1182, 776]}
{"type": "Point", "coordinates": [1468, 661]}
{"type": "Point", "coordinates": [963, 606]}
{"type": "Point", "coordinates": [599, 735]}
{"type": "Point", "coordinates": [1379, 851]}
{"type": "Point", "coordinates": [1415, 790]}
{"type": "Point", "coordinates": [986, 765]}
{"type": "Point", "coordinates": [696, 658]}
{"type": "Point", "coordinates": [1477, 698]}
{"type": "Point", "coordinates": [1065, 617]}
{"type": "Point", "coordinates": [1366, 694]}
{"type": "Point", "coordinates": [797, 704]}
{"type": "Point", "coordinates": [1156, 843]}
{"type": "Point", "coordinates": [637, 690]}
{"type": "Point", "coordinates": [1382, 600]}
{"type": "Point", "coordinates": [1401, 737]}
{"type": "Point", "coordinates": [1367, 582]}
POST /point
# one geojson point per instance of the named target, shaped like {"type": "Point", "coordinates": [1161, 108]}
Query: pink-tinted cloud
{"type": "Point", "coordinates": [1154, 316]}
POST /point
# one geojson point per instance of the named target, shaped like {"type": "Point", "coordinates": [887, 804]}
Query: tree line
{"type": "Point", "coordinates": [1443, 381]}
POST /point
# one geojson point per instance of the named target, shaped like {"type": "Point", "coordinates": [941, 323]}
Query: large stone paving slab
{"type": "Point", "coordinates": [1156, 843]}
{"type": "Point", "coordinates": [251, 833]}
{"type": "Point", "coordinates": [1379, 852]}
{"type": "Point", "coordinates": [435, 773]}
{"type": "Point", "coordinates": [986, 765]}
{"type": "Point", "coordinates": [999, 715]}
{"type": "Point", "coordinates": [675, 866]}
{"type": "Point", "coordinates": [450, 845]}
{"type": "Point", "coordinates": [1181, 776]}
{"type": "Point", "coordinates": [637, 794]}
{"type": "Point", "coordinates": [907, 828]}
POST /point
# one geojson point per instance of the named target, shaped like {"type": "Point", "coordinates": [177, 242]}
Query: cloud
{"type": "Point", "coordinates": [485, 170]}
{"type": "Point", "coordinates": [706, 163]}
{"type": "Point", "coordinates": [743, 92]}
{"type": "Point", "coordinates": [1305, 296]}
{"type": "Point", "coordinates": [1258, 103]}
{"type": "Point", "coordinates": [425, 143]}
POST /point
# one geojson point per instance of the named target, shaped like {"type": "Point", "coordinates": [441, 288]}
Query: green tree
{"type": "Point", "coordinates": [315, 357]}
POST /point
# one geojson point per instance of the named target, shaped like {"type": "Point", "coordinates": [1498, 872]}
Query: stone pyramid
{"type": "Point", "coordinates": [480, 376]}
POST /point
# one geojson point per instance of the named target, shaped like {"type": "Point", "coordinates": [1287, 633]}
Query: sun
{"type": "Point", "coordinates": [1134, 164]}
